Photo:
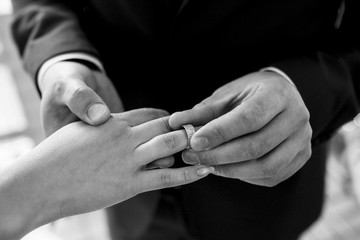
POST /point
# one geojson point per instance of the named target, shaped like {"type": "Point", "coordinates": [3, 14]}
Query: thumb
{"type": "Point", "coordinates": [85, 103]}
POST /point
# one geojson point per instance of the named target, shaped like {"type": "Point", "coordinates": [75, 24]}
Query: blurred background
{"type": "Point", "coordinates": [20, 131]}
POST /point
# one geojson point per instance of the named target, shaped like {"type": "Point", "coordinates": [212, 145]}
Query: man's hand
{"type": "Point", "coordinates": [72, 91]}
{"type": "Point", "coordinates": [256, 129]}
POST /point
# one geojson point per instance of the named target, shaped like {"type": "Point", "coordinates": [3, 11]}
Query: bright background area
{"type": "Point", "coordinates": [20, 131]}
{"type": "Point", "coordinates": [5, 7]}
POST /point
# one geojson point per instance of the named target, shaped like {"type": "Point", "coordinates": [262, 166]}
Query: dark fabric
{"type": "Point", "coordinates": [152, 53]}
{"type": "Point", "coordinates": [244, 211]}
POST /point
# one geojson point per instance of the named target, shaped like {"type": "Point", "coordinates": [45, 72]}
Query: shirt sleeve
{"type": "Point", "coordinates": [44, 29]}
{"type": "Point", "coordinates": [66, 57]}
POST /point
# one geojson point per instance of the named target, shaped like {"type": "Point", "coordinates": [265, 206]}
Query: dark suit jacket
{"type": "Point", "coordinates": [151, 52]}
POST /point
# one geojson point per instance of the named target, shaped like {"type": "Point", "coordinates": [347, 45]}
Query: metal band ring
{"type": "Point", "coordinates": [190, 131]}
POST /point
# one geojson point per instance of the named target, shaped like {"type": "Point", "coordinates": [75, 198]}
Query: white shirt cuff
{"type": "Point", "coordinates": [274, 69]}
{"type": "Point", "coordinates": [64, 57]}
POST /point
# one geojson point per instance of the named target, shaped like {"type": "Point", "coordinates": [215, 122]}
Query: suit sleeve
{"type": "Point", "coordinates": [328, 78]}
{"type": "Point", "coordinates": [43, 29]}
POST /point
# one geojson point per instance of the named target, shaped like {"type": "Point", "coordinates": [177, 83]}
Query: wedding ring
{"type": "Point", "coordinates": [190, 131]}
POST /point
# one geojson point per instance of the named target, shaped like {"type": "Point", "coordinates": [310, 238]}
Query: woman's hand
{"type": "Point", "coordinates": [82, 168]}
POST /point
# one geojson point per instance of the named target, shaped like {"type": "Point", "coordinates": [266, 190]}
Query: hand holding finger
{"type": "Point", "coordinates": [71, 91]}
{"type": "Point", "coordinates": [85, 103]}
{"type": "Point", "coordinates": [265, 112]}
{"type": "Point", "coordinates": [274, 167]}
{"type": "Point", "coordinates": [250, 146]}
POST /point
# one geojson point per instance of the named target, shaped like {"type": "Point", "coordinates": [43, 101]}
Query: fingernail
{"type": "Point", "coordinates": [199, 144]}
{"type": "Point", "coordinates": [205, 171]}
{"type": "Point", "coordinates": [96, 112]}
{"type": "Point", "coordinates": [190, 158]}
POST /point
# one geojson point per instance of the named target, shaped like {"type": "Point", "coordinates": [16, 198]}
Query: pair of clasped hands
{"type": "Point", "coordinates": [255, 129]}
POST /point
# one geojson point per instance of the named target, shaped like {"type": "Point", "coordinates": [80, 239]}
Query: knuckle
{"type": "Point", "coordinates": [119, 130]}
{"type": "Point", "coordinates": [166, 124]}
{"type": "Point", "coordinates": [309, 132]}
{"type": "Point", "coordinates": [307, 142]}
{"type": "Point", "coordinates": [208, 157]}
{"type": "Point", "coordinates": [58, 88]}
{"type": "Point", "coordinates": [207, 107]}
{"type": "Point", "coordinates": [200, 105]}
{"type": "Point", "coordinates": [165, 179]}
{"type": "Point", "coordinates": [251, 117]}
{"type": "Point", "coordinates": [210, 111]}
{"type": "Point", "coordinates": [307, 152]}
{"type": "Point", "coordinates": [270, 169]}
{"type": "Point", "coordinates": [256, 149]}
{"type": "Point", "coordinates": [171, 142]}
{"type": "Point", "coordinates": [221, 133]}
{"type": "Point", "coordinates": [79, 94]}
{"type": "Point", "coordinates": [186, 176]}
{"type": "Point", "coordinates": [304, 116]}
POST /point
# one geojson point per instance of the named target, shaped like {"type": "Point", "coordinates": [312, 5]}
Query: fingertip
{"type": "Point", "coordinates": [98, 113]}
{"type": "Point", "coordinates": [189, 157]}
{"type": "Point", "coordinates": [199, 143]}
{"type": "Point", "coordinates": [174, 120]}
{"type": "Point", "coordinates": [203, 171]}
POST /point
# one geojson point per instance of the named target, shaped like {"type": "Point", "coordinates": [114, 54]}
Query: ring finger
{"type": "Point", "coordinates": [162, 146]}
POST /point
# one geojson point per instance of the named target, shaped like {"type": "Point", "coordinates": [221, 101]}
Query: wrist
{"type": "Point", "coordinates": [57, 75]}
{"type": "Point", "coordinates": [26, 199]}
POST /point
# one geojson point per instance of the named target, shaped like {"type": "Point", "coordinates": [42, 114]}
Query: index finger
{"type": "Point", "coordinates": [250, 116]}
